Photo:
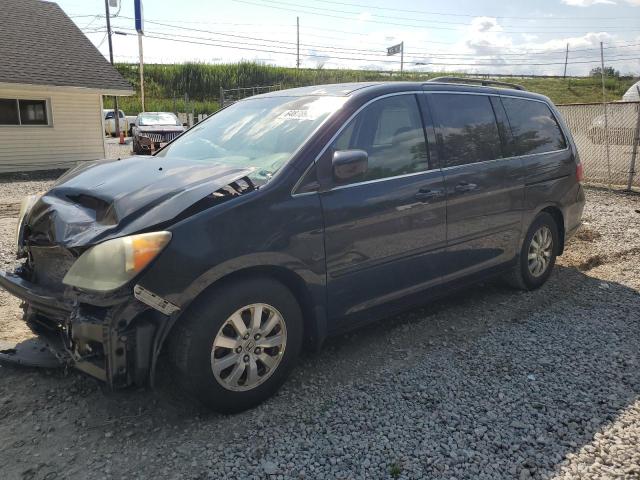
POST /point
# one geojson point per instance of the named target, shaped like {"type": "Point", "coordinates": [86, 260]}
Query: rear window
{"type": "Point", "coordinates": [110, 115]}
{"type": "Point", "coordinates": [533, 127]}
{"type": "Point", "coordinates": [466, 128]}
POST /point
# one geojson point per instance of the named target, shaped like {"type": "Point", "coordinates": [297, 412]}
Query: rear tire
{"type": "Point", "coordinates": [537, 255]}
{"type": "Point", "coordinates": [221, 353]}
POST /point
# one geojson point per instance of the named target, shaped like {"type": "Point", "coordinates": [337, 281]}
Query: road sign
{"type": "Point", "coordinates": [395, 49]}
{"type": "Point", "coordinates": [137, 7]}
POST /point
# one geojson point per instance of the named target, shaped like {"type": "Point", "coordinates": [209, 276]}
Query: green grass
{"type": "Point", "coordinates": [166, 84]}
{"type": "Point", "coordinates": [132, 106]}
{"type": "Point", "coordinates": [395, 469]}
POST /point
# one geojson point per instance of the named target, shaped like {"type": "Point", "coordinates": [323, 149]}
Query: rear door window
{"type": "Point", "coordinates": [466, 128]}
{"type": "Point", "coordinates": [534, 129]}
{"type": "Point", "coordinates": [390, 131]}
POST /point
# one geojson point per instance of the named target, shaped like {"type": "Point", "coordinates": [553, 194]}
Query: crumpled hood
{"type": "Point", "coordinates": [108, 199]}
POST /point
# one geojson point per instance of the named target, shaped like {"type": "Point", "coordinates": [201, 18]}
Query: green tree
{"type": "Point", "coordinates": [608, 72]}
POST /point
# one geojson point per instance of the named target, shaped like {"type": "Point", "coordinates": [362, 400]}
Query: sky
{"type": "Point", "coordinates": [470, 36]}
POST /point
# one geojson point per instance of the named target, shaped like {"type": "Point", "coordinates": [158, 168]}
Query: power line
{"type": "Point", "coordinates": [365, 52]}
{"type": "Point", "coordinates": [541, 52]}
{"type": "Point", "coordinates": [207, 42]}
{"type": "Point", "coordinates": [368, 55]}
{"type": "Point", "coordinates": [423, 12]}
{"type": "Point", "coordinates": [410, 18]}
{"type": "Point", "coordinates": [424, 23]}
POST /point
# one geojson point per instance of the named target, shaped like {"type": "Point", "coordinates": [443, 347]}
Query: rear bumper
{"type": "Point", "coordinates": [111, 338]}
{"type": "Point", "coordinates": [573, 214]}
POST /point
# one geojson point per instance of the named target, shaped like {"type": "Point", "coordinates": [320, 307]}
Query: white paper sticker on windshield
{"type": "Point", "coordinates": [298, 115]}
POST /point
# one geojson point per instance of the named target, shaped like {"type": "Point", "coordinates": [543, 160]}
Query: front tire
{"type": "Point", "coordinates": [236, 346]}
{"type": "Point", "coordinates": [537, 255]}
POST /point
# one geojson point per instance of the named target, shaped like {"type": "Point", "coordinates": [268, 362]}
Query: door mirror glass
{"type": "Point", "coordinates": [349, 165]}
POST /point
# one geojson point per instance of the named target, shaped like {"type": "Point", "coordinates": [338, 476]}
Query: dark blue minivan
{"type": "Point", "coordinates": [288, 217]}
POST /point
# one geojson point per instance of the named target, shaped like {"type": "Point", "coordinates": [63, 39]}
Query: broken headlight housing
{"type": "Point", "coordinates": [25, 207]}
{"type": "Point", "coordinates": [111, 264]}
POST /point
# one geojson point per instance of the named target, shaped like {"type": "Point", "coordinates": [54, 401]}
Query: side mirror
{"type": "Point", "coordinates": [349, 165]}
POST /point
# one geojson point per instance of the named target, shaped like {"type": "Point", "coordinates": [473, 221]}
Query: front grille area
{"type": "Point", "coordinates": [50, 265]}
{"type": "Point", "coordinates": [156, 137]}
{"type": "Point", "coordinates": [162, 137]}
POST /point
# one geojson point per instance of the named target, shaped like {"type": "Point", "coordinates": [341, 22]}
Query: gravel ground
{"type": "Point", "coordinates": [115, 150]}
{"type": "Point", "coordinates": [487, 384]}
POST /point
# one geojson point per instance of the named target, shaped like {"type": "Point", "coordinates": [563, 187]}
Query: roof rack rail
{"type": "Point", "coordinates": [479, 81]}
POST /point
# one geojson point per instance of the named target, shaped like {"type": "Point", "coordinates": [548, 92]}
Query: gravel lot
{"type": "Point", "coordinates": [489, 383]}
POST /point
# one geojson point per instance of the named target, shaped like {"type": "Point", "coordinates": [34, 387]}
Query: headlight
{"type": "Point", "coordinates": [25, 206]}
{"type": "Point", "coordinates": [111, 264]}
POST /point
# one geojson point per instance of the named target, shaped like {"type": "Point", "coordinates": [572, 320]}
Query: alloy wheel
{"type": "Point", "coordinates": [540, 251]}
{"type": "Point", "coordinates": [248, 347]}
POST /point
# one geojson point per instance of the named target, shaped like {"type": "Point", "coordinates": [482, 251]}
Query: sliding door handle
{"type": "Point", "coordinates": [463, 187]}
{"type": "Point", "coordinates": [426, 194]}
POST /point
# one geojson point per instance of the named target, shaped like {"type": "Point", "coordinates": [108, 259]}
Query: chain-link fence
{"type": "Point", "coordinates": [232, 95]}
{"type": "Point", "coordinates": [608, 145]}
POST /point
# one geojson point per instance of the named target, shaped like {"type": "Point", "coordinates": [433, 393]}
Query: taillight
{"type": "Point", "coordinates": [579, 171]}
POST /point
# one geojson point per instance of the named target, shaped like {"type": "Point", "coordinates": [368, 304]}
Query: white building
{"type": "Point", "coordinates": [52, 80]}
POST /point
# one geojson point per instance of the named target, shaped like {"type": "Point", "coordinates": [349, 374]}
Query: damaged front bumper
{"type": "Point", "coordinates": [115, 338]}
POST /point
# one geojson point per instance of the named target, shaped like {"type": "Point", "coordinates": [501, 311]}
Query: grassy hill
{"type": "Point", "coordinates": [167, 84]}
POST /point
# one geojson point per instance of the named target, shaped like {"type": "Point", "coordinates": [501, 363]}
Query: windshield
{"type": "Point", "coordinates": [158, 119]}
{"type": "Point", "coordinates": [262, 133]}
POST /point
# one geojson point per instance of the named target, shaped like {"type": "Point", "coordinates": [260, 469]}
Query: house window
{"type": "Point", "coordinates": [23, 112]}
{"type": "Point", "coordinates": [9, 112]}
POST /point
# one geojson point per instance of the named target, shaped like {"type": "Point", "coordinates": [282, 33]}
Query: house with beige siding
{"type": "Point", "coordinates": [52, 81]}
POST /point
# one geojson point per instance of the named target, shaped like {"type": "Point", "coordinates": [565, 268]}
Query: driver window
{"type": "Point", "coordinates": [390, 131]}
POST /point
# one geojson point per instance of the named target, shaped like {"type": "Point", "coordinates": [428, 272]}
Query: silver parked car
{"type": "Point", "coordinates": [153, 129]}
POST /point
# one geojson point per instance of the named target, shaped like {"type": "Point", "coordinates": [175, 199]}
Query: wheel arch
{"type": "Point", "coordinates": [558, 217]}
{"type": "Point", "coordinates": [294, 282]}
{"type": "Point", "coordinates": [313, 313]}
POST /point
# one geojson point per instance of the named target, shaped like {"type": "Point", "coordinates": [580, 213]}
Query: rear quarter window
{"type": "Point", "coordinates": [534, 128]}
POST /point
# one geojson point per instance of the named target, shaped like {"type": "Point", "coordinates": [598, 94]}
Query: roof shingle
{"type": "Point", "coordinates": [40, 45]}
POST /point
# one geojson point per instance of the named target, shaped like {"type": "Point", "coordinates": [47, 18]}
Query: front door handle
{"type": "Point", "coordinates": [426, 194]}
{"type": "Point", "coordinates": [463, 187]}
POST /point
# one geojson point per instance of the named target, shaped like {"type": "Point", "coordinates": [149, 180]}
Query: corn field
{"type": "Point", "coordinates": [167, 84]}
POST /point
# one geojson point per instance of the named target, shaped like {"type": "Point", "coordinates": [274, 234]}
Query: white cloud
{"type": "Point", "coordinates": [588, 3]}
{"type": "Point", "coordinates": [480, 47]}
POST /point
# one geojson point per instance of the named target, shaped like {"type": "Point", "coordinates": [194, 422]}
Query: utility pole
{"type": "Point", "coordinates": [606, 116]}
{"type": "Point", "coordinates": [298, 42]}
{"type": "Point", "coordinates": [566, 59]}
{"type": "Point", "coordinates": [116, 110]}
{"type": "Point", "coordinates": [401, 57]}
{"type": "Point", "coordinates": [137, 7]}
{"type": "Point", "coordinates": [141, 72]}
